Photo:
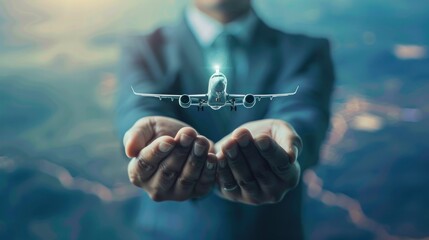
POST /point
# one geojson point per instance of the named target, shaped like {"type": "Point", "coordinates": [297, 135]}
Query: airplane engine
{"type": "Point", "coordinates": [249, 101]}
{"type": "Point", "coordinates": [185, 101]}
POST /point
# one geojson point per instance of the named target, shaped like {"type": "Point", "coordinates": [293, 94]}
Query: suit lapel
{"type": "Point", "coordinates": [191, 58]}
{"type": "Point", "coordinates": [263, 63]}
{"type": "Point", "coordinates": [262, 58]}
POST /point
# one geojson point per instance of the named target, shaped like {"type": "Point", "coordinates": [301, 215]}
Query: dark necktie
{"type": "Point", "coordinates": [222, 53]}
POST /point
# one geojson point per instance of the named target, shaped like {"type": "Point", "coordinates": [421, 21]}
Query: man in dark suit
{"type": "Point", "coordinates": [250, 157]}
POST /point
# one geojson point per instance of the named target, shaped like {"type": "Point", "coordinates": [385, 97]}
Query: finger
{"type": "Point", "coordinates": [171, 166]}
{"type": "Point", "coordinates": [278, 159]}
{"type": "Point", "coordinates": [191, 171]}
{"type": "Point", "coordinates": [212, 148]}
{"type": "Point", "coordinates": [228, 185]}
{"type": "Point", "coordinates": [260, 168]}
{"type": "Point", "coordinates": [145, 164]}
{"type": "Point", "coordinates": [240, 170]}
{"type": "Point", "coordinates": [138, 136]}
{"type": "Point", "coordinates": [288, 139]}
{"type": "Point", "coordinates": [207, 178]}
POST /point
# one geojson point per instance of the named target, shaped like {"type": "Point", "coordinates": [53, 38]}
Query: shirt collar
{"type": "Point", "coordinates": [207, 29]}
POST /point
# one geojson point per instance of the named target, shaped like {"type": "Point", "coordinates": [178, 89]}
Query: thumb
{"type": "Point", "coordinates": [138, 136]}
{"type": "Point", "coordinates": [286, 136]}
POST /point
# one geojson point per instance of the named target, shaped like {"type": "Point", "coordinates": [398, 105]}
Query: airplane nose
{"type": "Point", "coordinates": [219, 87]}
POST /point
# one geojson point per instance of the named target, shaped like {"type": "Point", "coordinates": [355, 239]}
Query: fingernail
{"type": "Point", "coordinates": [232, 152]}
{"type": "Point", "coordinates": [222, 164]}
{"type": "Point", "coordinates": [210, 165]}
{"type": "Point", "coordinates": [263, 144]}
{"type": "Point", "coordinates": [185, 140]}
{"type": "Point", "coordinates": [244, 140]}
{"type": "Point", "coordinates": [165, 147]}
{"type": "Point", "coordinates": [199, 149]}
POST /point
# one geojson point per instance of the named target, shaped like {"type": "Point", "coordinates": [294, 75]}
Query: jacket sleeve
{"type": "Point", "coordinates": [142, 66]}
{"type": "Point", "coordinates": [308, 111]}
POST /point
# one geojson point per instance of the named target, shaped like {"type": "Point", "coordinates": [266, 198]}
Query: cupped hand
{"type": "Point", "coordinates": [257, 163]}
{"type": "Point", "coordinates": [170, 161]}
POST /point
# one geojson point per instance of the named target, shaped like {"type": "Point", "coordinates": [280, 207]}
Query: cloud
{"type": "Point", "coordinates": [63, 32]}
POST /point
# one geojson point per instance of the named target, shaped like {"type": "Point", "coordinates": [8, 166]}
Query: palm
{"type": "Point", "coordinates": [167, 126]}
{"type": "Point", "coordinates": [279, 131]}
{"type": "Point", "coordinates": [161, 126]}
{"type": "Point", "coordinates": [275, 129]}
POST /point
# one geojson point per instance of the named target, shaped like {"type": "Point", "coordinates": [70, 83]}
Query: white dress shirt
{"type": "Point", "coordinates": [206, 29]}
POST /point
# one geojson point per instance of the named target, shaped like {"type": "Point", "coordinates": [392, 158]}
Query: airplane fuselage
{"type": "Point", "coordinates": [217, 91]}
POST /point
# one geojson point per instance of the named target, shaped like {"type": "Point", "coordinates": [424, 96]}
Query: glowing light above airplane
{"type": "Point", "coordinates": [217, 68]}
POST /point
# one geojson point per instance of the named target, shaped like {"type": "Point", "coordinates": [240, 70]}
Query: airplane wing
{"type": "Point", "coordinates": [160, 96]}
{"type": "Point", "coordinates": [196, 99]}
{"type": "Point", "coordinates": [239, 97]}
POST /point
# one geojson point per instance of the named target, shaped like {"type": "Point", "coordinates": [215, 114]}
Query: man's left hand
{"type": "Point", "coordinates": [258, 162]}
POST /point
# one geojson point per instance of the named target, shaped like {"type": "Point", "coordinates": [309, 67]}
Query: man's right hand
{"type": "Point", "coordinates": [170, 161]}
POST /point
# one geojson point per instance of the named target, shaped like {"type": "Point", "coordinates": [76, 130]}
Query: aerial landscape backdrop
{"type": "Point", "coordinates": [62, 169]}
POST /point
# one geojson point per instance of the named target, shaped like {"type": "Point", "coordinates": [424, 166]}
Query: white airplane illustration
{"type": "Point", "coordinates": [216, 97]}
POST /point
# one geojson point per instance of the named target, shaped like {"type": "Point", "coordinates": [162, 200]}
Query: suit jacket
{"type": "Point", "coordinates": [169, 60]}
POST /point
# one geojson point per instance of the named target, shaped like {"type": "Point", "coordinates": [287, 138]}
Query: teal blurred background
{"type": "Point", "coordinates": [62, 171]}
